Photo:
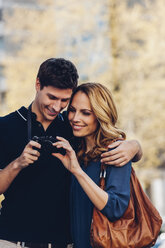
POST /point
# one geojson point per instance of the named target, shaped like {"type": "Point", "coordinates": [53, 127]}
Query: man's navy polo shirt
{"type": "Point", "coordinates": [36, 207]}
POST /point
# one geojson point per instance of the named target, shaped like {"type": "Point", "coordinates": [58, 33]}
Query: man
{"type": "Point", "coordinates": [35, 211]}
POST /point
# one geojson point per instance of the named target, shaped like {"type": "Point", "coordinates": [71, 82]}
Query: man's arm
{"type": "Point", "coordinates": [8, 174]}
{"type": "Point", "coordinates": [138, 151]}
{"type": "Point", "coordinates": [122, 152]}
{"type": "Point", "coordinates": [28, 156]}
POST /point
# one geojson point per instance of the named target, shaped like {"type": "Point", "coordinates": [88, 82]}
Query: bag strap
{"type": "Point", "coordinates": [102, 176]}
{"type": "Point", "coordinates": [103, 170]}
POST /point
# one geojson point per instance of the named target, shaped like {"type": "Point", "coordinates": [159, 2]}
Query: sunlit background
{"type": "Point", "coordinates": [119, 43]}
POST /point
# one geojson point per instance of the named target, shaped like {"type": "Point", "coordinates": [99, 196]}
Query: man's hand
{"type": "Point", "coordinates": [28, 156]}
{"type": "Point", "coordinates": [123, 151]}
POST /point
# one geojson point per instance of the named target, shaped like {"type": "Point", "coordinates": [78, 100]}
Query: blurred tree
{"type": "Point", "coordinates": [46, 28]}
{"type": "Point", "coordinates": [138, 50]}
{"type": "Point", "coordinates": [83, 36]}
{"type": "Point", "coordinates": [29, 39]}
{"type": "Point", "coordinates": [1, 199]}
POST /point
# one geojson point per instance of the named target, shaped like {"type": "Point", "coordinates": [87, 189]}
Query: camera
{"type": "Point", "coordinates": [47, 147]}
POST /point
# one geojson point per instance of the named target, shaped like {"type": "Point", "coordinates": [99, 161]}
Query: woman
{"type": "Point", "coordinates": [93, 116]}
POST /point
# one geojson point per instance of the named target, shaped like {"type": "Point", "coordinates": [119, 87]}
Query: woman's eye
{"type": "Point", "coordinates": [86, 113]}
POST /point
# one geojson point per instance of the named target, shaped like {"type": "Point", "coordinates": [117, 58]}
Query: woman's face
{"type": "Point", "coordinates": [81, 117]}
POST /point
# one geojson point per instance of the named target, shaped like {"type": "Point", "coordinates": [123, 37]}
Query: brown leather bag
{"type": "Point", "coordinates": [137, 228]}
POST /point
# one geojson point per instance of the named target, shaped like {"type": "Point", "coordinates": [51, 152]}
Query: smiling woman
{"type": "Point", "coordinates": [93, 116]}
{"type": "Point", "coordinates": [82, 119]}
{"type": "Point", "coordinates": [92, 105]}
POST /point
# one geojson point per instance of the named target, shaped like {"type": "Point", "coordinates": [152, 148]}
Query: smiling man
{"type": "Point", "coordinates": [35, 212]}
{"type": "Point", "coordinates": [49, 102]}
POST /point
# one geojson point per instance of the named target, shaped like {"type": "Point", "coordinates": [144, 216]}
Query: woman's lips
{"type": "Point", "coordinates": [77, 127]}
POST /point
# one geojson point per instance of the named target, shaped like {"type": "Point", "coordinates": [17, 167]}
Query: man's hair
{"type": "Point", "coordinates": [59, 73]}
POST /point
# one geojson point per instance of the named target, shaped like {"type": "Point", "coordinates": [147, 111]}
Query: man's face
{"type": "Point", "coordinates": [50, 101]}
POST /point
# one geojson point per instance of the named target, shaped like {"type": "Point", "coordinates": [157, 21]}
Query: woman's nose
{"type": "Point", "coordinates": [76, 117]}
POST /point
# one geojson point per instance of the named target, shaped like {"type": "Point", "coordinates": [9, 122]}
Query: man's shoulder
{"type": "Point", "coordinates": [4, 119]}
{"type": "Point", "coordinates": [64, 115]}
{"type": "Point", "coordinates": [10, 118]}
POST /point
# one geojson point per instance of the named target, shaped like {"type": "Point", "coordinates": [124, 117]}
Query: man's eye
{"type": "Point", "coordinates": [52, 98]}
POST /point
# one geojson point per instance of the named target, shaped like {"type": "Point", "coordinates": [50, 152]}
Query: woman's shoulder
{"type": "Point", "coordinates": [118, 176]}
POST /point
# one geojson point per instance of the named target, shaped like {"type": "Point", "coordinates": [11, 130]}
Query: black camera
{"type": "Point", "coordinates": [47, 147]}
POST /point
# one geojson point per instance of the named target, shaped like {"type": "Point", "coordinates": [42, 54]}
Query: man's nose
{"type": "Point", "coordinates": [57, 106]}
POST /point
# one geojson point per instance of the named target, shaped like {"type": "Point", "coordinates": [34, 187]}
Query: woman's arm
{"type": "Point", "coordinates": [97, 196]}
{"type": "Point", "coordinates": [118, 189]}
{"type": "Point", "coordinates": [100, 198]}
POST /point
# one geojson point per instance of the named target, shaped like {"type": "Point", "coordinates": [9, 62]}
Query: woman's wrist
{"type": "Point", "coordinates": [77, 172]}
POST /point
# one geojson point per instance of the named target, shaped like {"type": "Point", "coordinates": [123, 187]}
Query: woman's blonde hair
{"type": "Point", "coordinates": [104, 108]}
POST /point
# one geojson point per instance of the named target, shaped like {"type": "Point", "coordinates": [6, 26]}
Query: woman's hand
{"type": "Point", "coordinates": [98, 196]}
{"type": "Point", "coordinates": [69, 160]}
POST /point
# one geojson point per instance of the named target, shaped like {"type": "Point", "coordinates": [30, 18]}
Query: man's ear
{"type": "Point", "coordinates": [38, 85]}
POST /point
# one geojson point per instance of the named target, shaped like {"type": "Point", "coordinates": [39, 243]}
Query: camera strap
{"type": "Point", "coordinates": [29, 123]}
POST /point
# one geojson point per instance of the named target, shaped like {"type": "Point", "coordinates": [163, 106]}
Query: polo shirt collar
{"type": "Point", "coordinates": [23, 113]}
